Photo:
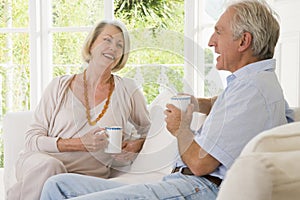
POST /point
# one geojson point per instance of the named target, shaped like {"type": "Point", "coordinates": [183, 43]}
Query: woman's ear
{"type": "Point", "coordinates": [245, 41]}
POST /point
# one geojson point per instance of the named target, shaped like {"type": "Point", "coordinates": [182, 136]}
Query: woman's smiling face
{"type": "Point", "coordinates": [109, 46]}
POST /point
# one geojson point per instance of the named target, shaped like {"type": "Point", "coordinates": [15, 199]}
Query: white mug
{"type": "Point", "coordinates": [181, 101]}
{"type": "Point", "coordinates": [115, 139]}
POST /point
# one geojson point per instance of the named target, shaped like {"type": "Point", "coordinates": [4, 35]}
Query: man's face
{"type": "Point", "coordinates": [225, 45]}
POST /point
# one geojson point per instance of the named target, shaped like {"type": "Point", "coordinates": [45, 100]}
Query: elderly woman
{"type": "Point", "coordinates": [62, 137]}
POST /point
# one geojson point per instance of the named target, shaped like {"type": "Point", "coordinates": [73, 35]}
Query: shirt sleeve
{"type": "Point", "coordinates": [237, 116]}
{"type": "Point", "coordinates": [289, 113]}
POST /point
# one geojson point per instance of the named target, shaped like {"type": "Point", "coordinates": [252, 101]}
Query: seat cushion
{"type": "Point", "coordinates": [278, 139]}
{"type": "Point", "coordinates": [262, 176]}
{"type": "Point", "coordinates": [268, 167]}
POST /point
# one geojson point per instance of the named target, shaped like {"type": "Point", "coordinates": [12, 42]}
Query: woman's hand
{"type": "Point", "coordinates": [94, 140]}
{"type": "Point", "coordinates": [91, 141]}
{"type": "Point", "coordinates": [130, 149]}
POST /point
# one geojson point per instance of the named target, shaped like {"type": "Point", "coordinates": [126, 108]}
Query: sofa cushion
{"type": "Point", "coordinates": [278, 139]}
{"type": "Point", "coordinates": [160, 148]}
{"type": "Point", "coordinates": [268, 167]}
{"type": "Point", "coordinates": [262, 176]}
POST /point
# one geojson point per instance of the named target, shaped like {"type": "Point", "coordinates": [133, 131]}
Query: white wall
{"type": "Point", "coordinates": [288, 50]}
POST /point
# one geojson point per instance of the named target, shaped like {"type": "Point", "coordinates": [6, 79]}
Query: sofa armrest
{"type": "Point", "coordinates": [15, 124]}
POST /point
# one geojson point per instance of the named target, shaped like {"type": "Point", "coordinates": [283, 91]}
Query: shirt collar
{"type": "Point", "coordinates": [264, 65]}
{"type": "Point", "coordinates": [230, 78]}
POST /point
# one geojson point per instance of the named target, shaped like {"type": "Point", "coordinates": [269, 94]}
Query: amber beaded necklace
{"type": "Point", "coordinates": [87, 106]}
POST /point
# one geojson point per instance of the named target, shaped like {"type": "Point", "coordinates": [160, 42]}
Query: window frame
{"type": "Point", "coordinates": [41, 44]}
{"type": "Point", "coordinates": [40, 29]}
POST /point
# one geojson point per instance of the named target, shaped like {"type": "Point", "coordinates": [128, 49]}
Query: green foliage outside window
{"type": "Point", "coordinates": [152, 21]}
{"type": "Point", "coordinates": [152, 15]}
{"type": "Point", "coordinates": [76, 12]}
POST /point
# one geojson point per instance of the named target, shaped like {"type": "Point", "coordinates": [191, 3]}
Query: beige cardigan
{"type": "Point", "coordinates": [58, 115]}
{"type": "Point", "coordinates": [61, 114]}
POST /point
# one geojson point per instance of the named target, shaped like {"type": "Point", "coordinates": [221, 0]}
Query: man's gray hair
{"type": "Point", "coordinates": [257, 18]}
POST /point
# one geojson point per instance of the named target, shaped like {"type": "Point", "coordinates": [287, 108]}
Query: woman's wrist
{"type": "Point", "coordinates": [72, 144]}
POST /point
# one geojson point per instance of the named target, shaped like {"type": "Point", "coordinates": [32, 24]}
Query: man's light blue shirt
{"type": "Point", "coordinates": [252, 102]}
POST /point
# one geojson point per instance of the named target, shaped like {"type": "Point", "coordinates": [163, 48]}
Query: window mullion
{"type": "Point", "coordinates": [108, 9]}
{"type": "Point", "coordinates": [35, 52]}
{"type": "Point", "coordinates": [193, 52]}
{"type": "Point", "coordinates": [46, 43]}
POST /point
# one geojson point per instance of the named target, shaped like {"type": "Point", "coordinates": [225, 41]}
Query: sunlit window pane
{"type": "Point", "coordinates": [21, 48]}
{"type": "Point", "coordinates": [76, 12]}
{"type": "Point", "coordinates": [156, 60]}
{"type": "Point", "coordinates": [14, 49]}
{"type": "Point", "coordinates": [17, 9]}
{"type": "Point", "coordinates": [67, 52]}
{"type": "Point", "coordinates": [67, 47]}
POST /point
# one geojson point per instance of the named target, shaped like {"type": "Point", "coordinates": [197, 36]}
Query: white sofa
{"type": "Point", "coordinates": [154, 161]}
{"type": "Point", "coordinates": [268, 167]}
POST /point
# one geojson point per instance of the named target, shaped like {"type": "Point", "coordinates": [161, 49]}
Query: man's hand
{"type": "Point", "coordinates": [176, 119]}
{"type": "Point", "coordinates": [204, 105]}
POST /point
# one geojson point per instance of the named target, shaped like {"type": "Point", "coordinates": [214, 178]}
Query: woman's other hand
{"type": "Point", "coordinates": [130, 149]}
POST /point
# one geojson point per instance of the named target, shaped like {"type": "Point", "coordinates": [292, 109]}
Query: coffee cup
{"type": "Point", "coordinates": [181, 101]}
{"type": "Point", "coordinates": [114, 138]}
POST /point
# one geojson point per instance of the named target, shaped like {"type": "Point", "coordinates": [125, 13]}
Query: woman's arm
{"type": "Point", "coordinates": [36, 138]}
{"type": "Point", "coordinates": [88, 142]}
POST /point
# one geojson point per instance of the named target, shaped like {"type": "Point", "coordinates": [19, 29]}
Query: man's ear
{"type": "Point", "coordinates": [245, 41]}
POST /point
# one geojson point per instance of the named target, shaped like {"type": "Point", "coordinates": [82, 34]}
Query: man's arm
{"type": "Point", "coordinates": [197, 159]}
{"type": "Point", "coordinates": [204, 105]}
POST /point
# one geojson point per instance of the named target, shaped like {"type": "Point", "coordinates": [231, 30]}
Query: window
{"type": "Point", "coordinates": [43, 39]}
{"type": "Point", "coordinates": [156, 60]}
{"type": "Point", "coordinates": [14, 56]}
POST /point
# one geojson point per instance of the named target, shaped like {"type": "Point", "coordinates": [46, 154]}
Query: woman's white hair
{"type": "Point", "coordinates": [95, 32]}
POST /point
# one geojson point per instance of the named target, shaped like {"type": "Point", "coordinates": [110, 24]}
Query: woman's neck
{"type": "Point", "coordinates": [98, 77]}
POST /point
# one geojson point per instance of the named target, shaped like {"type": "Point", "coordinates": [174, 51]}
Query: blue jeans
{"type": "Point", "coordinates": [173, 186]}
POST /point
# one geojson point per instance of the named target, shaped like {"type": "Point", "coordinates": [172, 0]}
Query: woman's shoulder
{"type": "Point", "coordinates": [127, 82]}
{"type": "Point", "coordinates": [59, 83]}
{"type": "Point", "coordinates": [61, 80]}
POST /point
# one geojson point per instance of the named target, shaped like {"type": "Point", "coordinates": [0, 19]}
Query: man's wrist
{"type": "Point", "coordinates": [182, 131]}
